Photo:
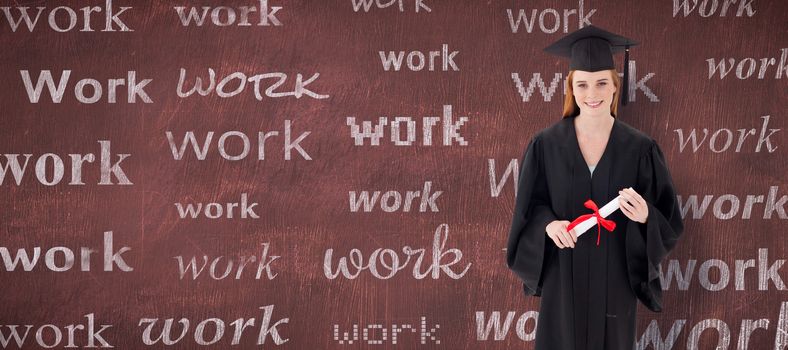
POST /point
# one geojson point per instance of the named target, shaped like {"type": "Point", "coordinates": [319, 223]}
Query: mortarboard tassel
{"type": "Point", "coordinates": [625, 93]}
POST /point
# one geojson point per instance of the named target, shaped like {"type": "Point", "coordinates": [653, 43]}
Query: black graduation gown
{"type": "Point", "coordinates": [589, 293]}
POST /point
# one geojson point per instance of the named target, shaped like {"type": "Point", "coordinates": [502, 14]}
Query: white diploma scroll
{"type": "Point", "coordinates": [606, 210]}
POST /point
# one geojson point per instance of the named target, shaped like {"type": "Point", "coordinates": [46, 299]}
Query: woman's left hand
{"type": "Point", "coordinates": [633, 205]}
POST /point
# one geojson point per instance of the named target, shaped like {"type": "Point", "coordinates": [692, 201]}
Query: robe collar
{"type": "Point", "coordinates": [574, 146]}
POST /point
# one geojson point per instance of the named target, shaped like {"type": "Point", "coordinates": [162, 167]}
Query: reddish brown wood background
{"type": "Point", "coordinates": [304, 204]}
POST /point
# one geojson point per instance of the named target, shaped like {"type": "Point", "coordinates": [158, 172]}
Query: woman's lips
{"type": "Point", "coordinates": [595, 105]}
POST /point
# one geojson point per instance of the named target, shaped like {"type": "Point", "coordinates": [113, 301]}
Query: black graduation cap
{"type": "Point", "coordinates": [591, 49]}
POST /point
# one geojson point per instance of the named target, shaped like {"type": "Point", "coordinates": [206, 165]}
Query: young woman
{"type": "Point", "coordinates": [589, 285]}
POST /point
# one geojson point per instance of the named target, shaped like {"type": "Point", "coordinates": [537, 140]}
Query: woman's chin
{"type": "Point", "coordinates": [594, 112]}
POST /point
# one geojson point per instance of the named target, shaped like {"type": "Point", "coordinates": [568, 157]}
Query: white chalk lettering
{"type": "Point", "coordinates": [707, 8]}
{"type": "Point", "coordinates": [28, 262]}
{"type": "Point", "coordinates": [201, 150]}
{"type": "Point", "coordinates": [417, 61]}
{"type": "Point", "coordinates": [727, 206]}
{"type": "Point", "coordinates": [167, 337]}
{"type": "Point", "coordinates": [110, 17]}
{"type": "Point", "coordinates": [392, 201]}
{"type": "Point", "coordinates": [549, 19]}
{"type": "Point", "coordinates": [264, 265]}
{"type": "Point", "coordinates": [299, 90]}
{"type": "Point", "coordinates": [451, 130]}
{"type": "Point", "coordinates": [385, 263]}
{"type": "Point", "coordinates": [94, 338]}
{"type": "Point", "coordinates": [222, 16]}
{"type": "Point", "coordinates": [214, 210]}
{"type": "Point", "coordinates": [426, 334]}
{"type": "Point", "coordinates": [721, 140]}
{"type": "Point", "coordinates": [134, 89]}
{"type": "Point", "coordinates": [107, 169]}
{"type": "Point", "coordinates": [746, 66]}
{"type": "Point", "coordinates": [547, 92]}
{"type": "Point", "coordinates": [420, 5]}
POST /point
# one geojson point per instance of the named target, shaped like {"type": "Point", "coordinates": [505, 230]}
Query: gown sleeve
{"type": "Point", "coordinates": [647, 244]}
{"type": "Point", "coordinates": [526, 247]}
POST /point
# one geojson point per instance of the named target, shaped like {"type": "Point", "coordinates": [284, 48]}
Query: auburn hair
{"type": "Point", "coordinates": [571, 108]}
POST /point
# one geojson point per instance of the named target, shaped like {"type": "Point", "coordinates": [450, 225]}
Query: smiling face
{"type": "Point", "coordinates": [594, 92]}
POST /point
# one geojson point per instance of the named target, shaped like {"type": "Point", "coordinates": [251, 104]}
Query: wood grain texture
{"type": "Point", "coordinates": [304, 204]}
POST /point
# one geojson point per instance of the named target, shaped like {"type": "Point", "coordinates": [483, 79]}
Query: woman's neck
{"type": "Point", "coordinates": [594, 124]}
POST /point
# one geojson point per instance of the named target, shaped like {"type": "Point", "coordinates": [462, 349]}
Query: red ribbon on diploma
{"type": "Point", "coordinates": [609, 225]}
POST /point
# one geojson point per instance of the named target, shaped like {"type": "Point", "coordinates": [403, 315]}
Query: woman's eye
{"type": "Point", "coordinates": [581, 85]}
{"type": "Point", "coordinates": [603, 84]}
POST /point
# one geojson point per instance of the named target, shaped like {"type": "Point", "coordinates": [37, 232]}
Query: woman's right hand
{"type": "Point", "coordinates": [556, 230]}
